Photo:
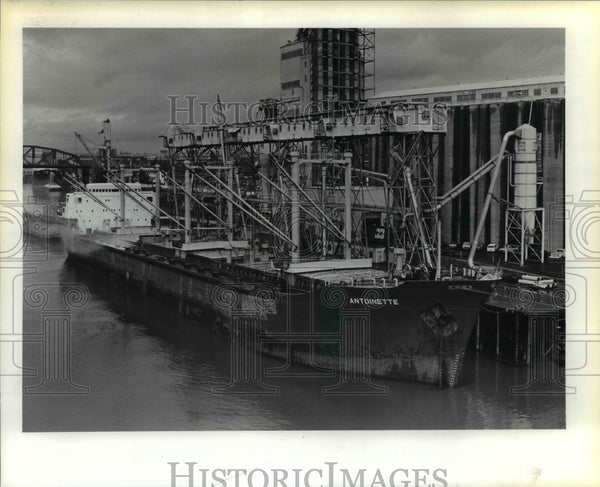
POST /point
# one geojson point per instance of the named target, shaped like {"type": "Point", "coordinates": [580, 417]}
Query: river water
{"type": "Point", "coordinates": [134, 364]}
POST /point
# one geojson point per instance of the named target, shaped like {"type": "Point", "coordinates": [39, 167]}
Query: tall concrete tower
{"type": "Point", "coordinates": [325, 69]}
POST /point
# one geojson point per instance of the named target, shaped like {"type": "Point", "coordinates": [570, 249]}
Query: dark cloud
{"type": "Point", "coordinates": [74, 78]}
{"type": "Point", "coordinates": [413, 58]}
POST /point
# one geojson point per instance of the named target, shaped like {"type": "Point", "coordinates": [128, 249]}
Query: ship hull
{"type": "Point", "coordinates": [417, 330]}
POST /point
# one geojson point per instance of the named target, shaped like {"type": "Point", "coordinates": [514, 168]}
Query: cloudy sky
{"type": "Point", "coordinates": [75, 78]}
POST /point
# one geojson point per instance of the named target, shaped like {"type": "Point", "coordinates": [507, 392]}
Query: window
{"type": "Point", "coordinates": [78, 200]}
{"type": "Point", "coordinates": [491, 95]}
{"type": "Point", "coordinates": [518, 93]}
{"type": "Point", "coordinates": [537, 91]}
{"type": "Point", "coordinates": [554, 91]}
{"type": "Point", "coordinates": [423, 99]}
{"type": "Point", "coordinates": [290, 54]}
{"type": "Point", "coordinates": [466, 96]}
{"type": "Point", "coordinates": [290, 84]}
{"type": "Point", "coordinates": [442, 98]}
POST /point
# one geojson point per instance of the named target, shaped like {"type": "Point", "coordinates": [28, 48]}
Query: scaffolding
{"type": "Point", "coordinates": [366, 47]}
{"type": "Point", "coordinates": [341, 66]}
{"type": "Point", "coordinates": [414, 198]}
{"type": "Point", "coordinates": [521, 245]}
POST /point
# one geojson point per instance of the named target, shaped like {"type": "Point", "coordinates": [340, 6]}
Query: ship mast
{"type": "Point", "coordinates": [107, 147]}
{"type": "Point", "coordinates": [107, 144]}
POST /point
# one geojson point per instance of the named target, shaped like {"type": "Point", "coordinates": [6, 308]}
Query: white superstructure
{"type": "Point", "coordinates": [99, 208]}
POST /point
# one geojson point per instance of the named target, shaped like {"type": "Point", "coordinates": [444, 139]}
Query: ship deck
{"type": "Point", "coordinates": [117, 240]}
{"type": "Point", "coordinates": [354, 277]}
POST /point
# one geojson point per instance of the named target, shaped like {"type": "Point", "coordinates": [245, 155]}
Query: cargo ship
{"type": "Point", "coordinates": [341, 312]}
{"type": "Point", "coordinates": [336, 314]}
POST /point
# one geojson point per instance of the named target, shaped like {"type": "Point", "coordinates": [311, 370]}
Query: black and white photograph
{"type": "Point", "coordinates": [307, 230]}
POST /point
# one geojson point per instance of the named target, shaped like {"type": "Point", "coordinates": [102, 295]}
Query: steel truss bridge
{"type": "Point", "coordinates": [38, 157]}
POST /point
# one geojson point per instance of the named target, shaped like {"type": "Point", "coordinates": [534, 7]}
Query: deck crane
{"type": "Point", "coordinates": [97, 161]}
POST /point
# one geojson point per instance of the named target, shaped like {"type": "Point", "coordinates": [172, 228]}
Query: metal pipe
{"type": "Point", "coordinates": [202, 205]}
{"type": "Point", "coordinates": [157, 197]}
{"type": "Point", "coordinates": [438, 269]}
{"type": "Point", "coordinates": [254, 214]}
{"type": "Point", "coordinates": [122, 195]}
{"type": "Point", "coordinates": [176, 203]}
{"type": "Point", "coordinates": [488, 198]}
{"type": "Point", "coordinates": [237, 182]}
{"type": "Point", "coordinates": [333, 228]}
{"type": "Point", "coordinates": [379, 176]}
{"type": "Point", "coordinates": [83, 189]}
{"type": "Point", "coordinates": [348, 205]}
{"type": "Point", "coordinates": [141, 201]}
{"type": "Point", "coordinates": [229, 165]}
{"type": "Point", "coordinates": [229, 203]}
{"type": "Point", "coordinates": [286, 195]}
{"type": "Point", "coordinates": [295, 210]}
{"type": "Point", "coordinates": [413, 197]}
{"type": "Point", "coordinates": [466, 183]}
{"type": "Point", "coordinates": [187, 204]}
